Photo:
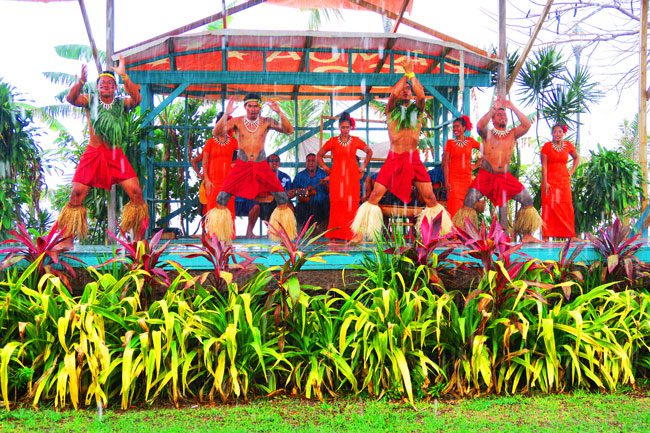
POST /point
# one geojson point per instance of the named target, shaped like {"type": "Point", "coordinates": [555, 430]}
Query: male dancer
{"type": "Point", "coordinates": [251, 176]}
{"type": "Point", "coordinates": [403, 165]}
{"type": "Point", "coordinates": [104, 163]}
{"type": "Point", "coordinates": [494, 180]}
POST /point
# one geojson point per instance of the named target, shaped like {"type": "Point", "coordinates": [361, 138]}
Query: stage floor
{"type": "Point", "coordinates": [338, 255]}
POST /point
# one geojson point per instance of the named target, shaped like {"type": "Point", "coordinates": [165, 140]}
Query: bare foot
{"type": "Point", "coordinates": [530, 239]}
{"type": "Point", "coordinates": [251, 235]}
{"type": "Point", "coordinates": [356, 239]}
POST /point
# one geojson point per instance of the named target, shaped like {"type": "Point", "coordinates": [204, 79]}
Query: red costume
{"type": "Point", "coordinates": [345, 188]}
{"type": "Point", "coordinates": [399, 171]}
{"type": "Point", "coordinates": [497, 187]}
{"type": "Point", "coordinates": [102, 166]}
{"type": "Point", "coordinates": [557, 205]}
{"type": "Point", "coordinates": [219, 164]}
{"type": "Point", "coordinates": [459, 173]}
{"type": "Point", "coordinates": [251, 179]}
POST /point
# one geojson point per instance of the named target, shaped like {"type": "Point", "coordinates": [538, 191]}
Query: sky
{"type": "Point", "coordinates": [31, 30]}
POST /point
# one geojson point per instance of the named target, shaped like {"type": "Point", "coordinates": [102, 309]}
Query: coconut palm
{"type": "Point", "coordinates": [21, 163]}
{"type": "Point", "coordinates": [556, 93]}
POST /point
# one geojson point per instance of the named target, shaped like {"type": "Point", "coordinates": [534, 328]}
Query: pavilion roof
{"type": "Point", "coordinates": [302, 63]}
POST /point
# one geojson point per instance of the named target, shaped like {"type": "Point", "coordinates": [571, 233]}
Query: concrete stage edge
{"type": "Point", "coordinates": [338, 255]}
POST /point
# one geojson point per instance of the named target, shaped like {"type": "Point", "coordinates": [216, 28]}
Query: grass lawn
{"type": "Point", "coordinates": [579, 412]}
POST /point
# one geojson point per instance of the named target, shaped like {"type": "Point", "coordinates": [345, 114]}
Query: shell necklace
{"type": "Point", "coordinates": [105, 105]}
{"type": "Point", "coordinates": [559, 147]}
{"type": "Point", "coordinates": [222, 142]}
{"type": "Point", "coordinates": [346, 142]}
{"type": "Point", "coordinates": [251, 125]}
{"type": "Point", "coordinates": [499, 133]}
{"type": "Point", "coordinates": [461, 143]}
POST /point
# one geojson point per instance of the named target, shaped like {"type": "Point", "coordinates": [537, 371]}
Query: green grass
{"type": "Point", "coordinates": [579, 412]}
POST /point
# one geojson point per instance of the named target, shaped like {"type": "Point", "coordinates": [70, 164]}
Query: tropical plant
{"type": "Point", "coordinates": [21, 163]}
{"type": "Point", "coordinates": [618, 182]}
{"type": "Point", "coordinates": [51, 252]}
{"type": "Point", "coordinates": [556, 93]}
{"type": "Point", "coordinates": [617, 248]}
{"type": "Point", "coordinates": [143, 257]}
{"type": "Point", "coordinates": [285, 295]}
{"type": "Point", "coordinates": [220, 255]}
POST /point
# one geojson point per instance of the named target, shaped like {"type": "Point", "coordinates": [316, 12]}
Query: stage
{"type": "Point", "coordinates": [337, 256]}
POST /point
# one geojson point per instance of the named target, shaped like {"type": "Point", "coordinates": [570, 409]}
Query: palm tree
{"type": "Point", "coordinates": [21, 164]}
{"type": "Point", "coordinates": [556, 93]}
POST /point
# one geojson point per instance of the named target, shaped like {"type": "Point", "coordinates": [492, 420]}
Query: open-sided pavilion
{"type": "Point", "coordinates": [354, 67]}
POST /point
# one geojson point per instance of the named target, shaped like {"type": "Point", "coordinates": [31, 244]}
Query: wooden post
{"type": "Point", "coordinates": [529, 45]}
{"type": "Point", "coordinates": [111, 211]}
{"type": "Point", "coordinates": [89, 32]}
{"type": "Point", "coordinates": [224, 18]}
{"type": "Point", "coordinates": [503, 53]}
{"type": "Point", "coordinates": [110, 37]}
{"type": "Point", "coordinates": [643, 101]}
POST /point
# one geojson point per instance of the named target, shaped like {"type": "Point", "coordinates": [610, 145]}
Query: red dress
{"type": "Point", "coordinates": [459, 160]}
{"type": "Point", "coordinates": [557, 205]}
{"type": "Point", "coordinates": [220, 163]}
{"type": "Point", "coordinates": [345, 188]}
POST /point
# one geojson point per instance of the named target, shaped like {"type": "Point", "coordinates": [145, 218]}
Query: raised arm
{"type": "Point", "coordinates": [397, 90]}
{"type": "Point", "coordinates": [132, 89]}
{"type": "Point", "coordinates": [284, 126]}
{"type": "Point", "coordinates": [524, 122]}
{"type": "Point", "coordinates": [74, 95]}
{"type": "Point", "coordinates": [225, 123]}
{"type": "Point", "coordinates": [481, 125]}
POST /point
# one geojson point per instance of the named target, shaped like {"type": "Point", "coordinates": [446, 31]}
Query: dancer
{"type": "Point", "coordinates": [403, 165]}
{"type": "Point", "coordinates": [251, 175]}
{"type": "Point", "coordinates": [344, 177]}
{"type": "Point", "coordinates": [103, 163]}
{"type": "Point", "coordinates": [217, 162]}
{"type": "Point", "coordinates": [557, 201]}
{"type": "Point", "coordinates": [494, 180]}
{"type": "Point", "coordinates": [457, 164]}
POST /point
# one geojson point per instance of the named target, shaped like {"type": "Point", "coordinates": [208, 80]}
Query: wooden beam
{"type": "Point", "coordinates": [201, 22]}
{"type": "Point", "coordinates": [420, 27]}
{"type": "Point", "coordinates": [401, 15]}
{"type": "Point", "coordinates": [528, 46]}
{"type": "Point", "coordinates": [643, 102]}
{"type": "Point", "coordinates": [89, 32]}
{"type": "Point", "coordinates": [503, 54]}
{"type": "Point", "coordinates": [303, 62]}
{"type": "Point", "coordinates": [111, 211]}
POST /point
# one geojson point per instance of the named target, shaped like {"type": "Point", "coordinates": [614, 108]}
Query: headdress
{"type": "Point", "coordinates": [466, 122]}
{"type": "Point", "coordinates": [252, 97]}
{"type": "Point", "coordinates": [107, 74]}
{"type": "Point", "coordinates": [345, 116]}
{"type": "Point", "coordinates": [561, 125]}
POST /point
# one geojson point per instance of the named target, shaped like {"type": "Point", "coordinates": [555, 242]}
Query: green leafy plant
{"type": "Point", "coordinates": [220, 255]}
{"type": "Point", "coordinates": [618, 247]}
{"type": "Point", "coordinates": [618, 182]}
{"type": "Point", "coordinates": [51, 251]}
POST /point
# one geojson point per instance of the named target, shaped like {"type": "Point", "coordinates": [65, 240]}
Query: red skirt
{"type": "Point", "coordinates": [498, 187]}
{"type": "Point", "coordinates": [251, 179]}
{"type": "Point", "coordinates": [102, 166]}
{"type": "Point", "coordinates": [399, 171]}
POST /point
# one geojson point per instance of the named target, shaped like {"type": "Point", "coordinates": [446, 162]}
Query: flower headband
{"type": "Point", "coordinates": [468, 124]}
